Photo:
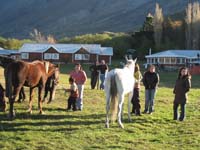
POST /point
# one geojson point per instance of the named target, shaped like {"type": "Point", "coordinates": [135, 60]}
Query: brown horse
{"type": "Point", "coordinates": [34, 74]}
{"type": "Point", "coordinates": [50, 87]}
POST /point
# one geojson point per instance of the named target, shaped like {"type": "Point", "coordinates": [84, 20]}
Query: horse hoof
{"type": "Point", "coordinates": [107, 125]}
{"type": "Point", "coordinates": [19, 101]}
{"type": "Point", "coordinates": [41, 113]}
{"type": "Point", "coordinates": [11, 116]}
{"type": "Point", "coordinates": [30, 111]}
{"type": "Point", "coordinates": [121, 126]}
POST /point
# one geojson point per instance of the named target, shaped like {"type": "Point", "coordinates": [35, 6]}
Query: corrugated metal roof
{"type": "Point", "coordinates": [176, 53]}
{"type": "Point", "coordinates": [8, 52]}
{"type": "Point", "coordinates": [61, 48]}
{"type": "Point", "coordinates": [106, 51]}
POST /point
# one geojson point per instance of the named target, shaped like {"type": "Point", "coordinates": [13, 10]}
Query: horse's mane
{"type": "Point", "coordinates": [5, 60]}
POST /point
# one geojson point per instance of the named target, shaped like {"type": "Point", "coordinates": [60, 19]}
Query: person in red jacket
{"type": "Point", "coordinates": [80, 78]}
{"type": "Point", "coordinates": [181, 88]}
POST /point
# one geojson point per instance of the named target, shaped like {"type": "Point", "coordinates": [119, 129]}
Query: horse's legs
{"type": "Point", "coordinates": [107, 110]}
{"type": "Point", "coordinates": [11, 111]}
{"type": "Point", "coordinates": [30, 100]}
{"type": "Point", "coordinates": [130, 95]}
{"type": "Point", "coordinates": [121, 100]}
{"type": "Point", "coordinates": [45, 94]}
{"type": "Point", "coordinates": [12, 100]}
{"type": "Point", "coordinates": [22, 95]}
{"type": "Point", "coordinates": [40, 89]}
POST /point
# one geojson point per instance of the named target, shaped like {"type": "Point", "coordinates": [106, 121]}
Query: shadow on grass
{"type": "Point", "coordinates": [27, 122]}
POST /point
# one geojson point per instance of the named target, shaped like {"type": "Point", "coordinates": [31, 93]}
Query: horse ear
{"type": "Point", "coordinates": [135, 59]}
{"type": "Point", "coordinates": [126, 57]}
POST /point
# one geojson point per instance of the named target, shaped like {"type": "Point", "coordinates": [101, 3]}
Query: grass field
{"type": "Point", "coordinates": [58, 129]}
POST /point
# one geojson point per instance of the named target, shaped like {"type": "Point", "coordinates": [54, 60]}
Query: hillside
{"type": "Point", "coordinates": [75, 17]}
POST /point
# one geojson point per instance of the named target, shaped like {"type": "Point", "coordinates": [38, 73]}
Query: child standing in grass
{"type": "Point", "coordinates": [182, 86]}
{"type": "Point", "coordinates": [136, 93]}
{"type": "Point", "coordinates": [73, 94]}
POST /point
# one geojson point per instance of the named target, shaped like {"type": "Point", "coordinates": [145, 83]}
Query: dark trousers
{"type": "Point", "coordinates": [182, 113]}
{"type": "Point", "coordinates": [94, 78]}
{"type": "Point", "coordinates": [72, 103]}
{"type": "Point", "coordinates": [136, 102]}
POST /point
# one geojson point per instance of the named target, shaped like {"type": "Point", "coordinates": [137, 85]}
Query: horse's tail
{"type": "Point", "coordinates": [114, 101]}
{"type": "Point", "coordinates": [8, 80]}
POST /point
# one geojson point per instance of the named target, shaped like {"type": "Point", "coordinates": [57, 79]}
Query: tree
{"type": "Point", "coordinates": [39, 38]}
{"type": "Point", "coordinates": [188, 20]}
{"type": "Point", "coordinates": [148, 23]}
{"type": "Point", "coordinates": [192, 21]}
{"type": "Point", "coordinates": [157, 25]}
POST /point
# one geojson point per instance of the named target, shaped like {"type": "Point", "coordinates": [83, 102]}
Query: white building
{"type": "Point", "coordinates": [174, 57]}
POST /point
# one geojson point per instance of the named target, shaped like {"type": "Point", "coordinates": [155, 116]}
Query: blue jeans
{"type": "Point", "coordinates": [149, 100]}
{"type": "Point", "coordinates": [182, 113]}
{"type": "Point", "coordinates": [102, 78]}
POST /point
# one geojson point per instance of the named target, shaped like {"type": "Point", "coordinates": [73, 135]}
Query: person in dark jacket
{"type": "Point", "coordinates": [103, 68]}
{"type": "Point", "coordinates": [94, 75]}
{"type": "Point", "coordinates": [182, 86]}
{"type": "Point", "coordinates": [150, 81]}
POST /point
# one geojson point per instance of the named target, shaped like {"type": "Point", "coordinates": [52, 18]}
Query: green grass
{"type": "Point", "coordinates": [58, 129]}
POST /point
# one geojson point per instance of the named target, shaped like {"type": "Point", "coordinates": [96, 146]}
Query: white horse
{"type": "Point", "coordinates": [118, 83]}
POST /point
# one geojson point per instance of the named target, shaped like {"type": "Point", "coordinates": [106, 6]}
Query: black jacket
{"type": "Point", "coordinates": [181, 88]}
{"type": "Point", "coordinates": [150, 80]}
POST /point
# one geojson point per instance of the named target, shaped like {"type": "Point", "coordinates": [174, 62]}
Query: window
{"type": "Point", "coordinates": [167, 60]}
{"type": "Point", "coordinates": [51, 56]}
{"type": "Point", "coordinates": [24, 55]}
{"type": "Point", "coordinates": [180, 60]}
{"type": "Point", "coordinates": [173, 60]}
{"type": "Point", "coordinates": [82, 56]}
{"type": "Point", "coordinates": [47, 56]}
{"type": "Point", "coordinates": [161, 60]}
{"type": "Point", "coordinates": [55, 56]}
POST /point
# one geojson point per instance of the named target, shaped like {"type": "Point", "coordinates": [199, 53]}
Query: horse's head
{"type": "Point", "coordinates": [130, 63]}
{"type": "Point", "coordinates": [4, 61]}
{"type": "Point", "coordinates": [53, 79]}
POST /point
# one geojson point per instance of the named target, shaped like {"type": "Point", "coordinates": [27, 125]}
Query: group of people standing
{"type": "Point", "coordinates": [77, 80]}
{"type": "Point", "coordinates": [150, 80]}
{"type": "Point", "coordinates": [98, 71]}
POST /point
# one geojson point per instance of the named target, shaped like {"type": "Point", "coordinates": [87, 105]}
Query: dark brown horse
{"type": "Point", "coordinates": [34, 74]}
{"type": "Point", "coordinates": [51, 85]}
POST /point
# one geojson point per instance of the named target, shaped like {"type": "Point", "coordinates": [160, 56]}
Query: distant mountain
{"type": "Point", "coordinates": [74, 17]}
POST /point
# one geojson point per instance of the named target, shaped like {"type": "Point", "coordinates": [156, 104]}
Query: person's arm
{"type": "Point", "coordinates": [144, 80]}
{"type": "Point", "coordinates": [157, 79]}
{"type": "Point", "coordinates": [84, 77]}
{"type": "Point", "coordinates": [107, 68]}
{"type": "Point", "coordinates": [188, 85]}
